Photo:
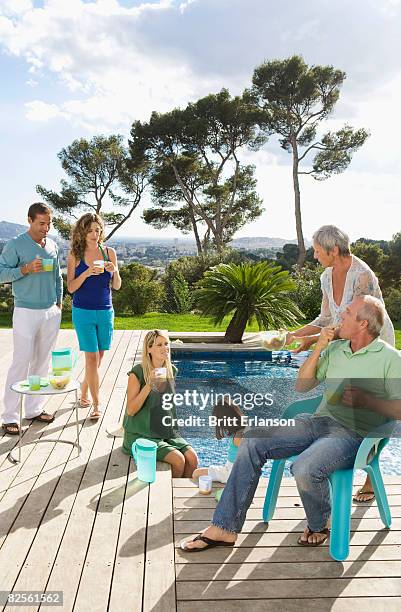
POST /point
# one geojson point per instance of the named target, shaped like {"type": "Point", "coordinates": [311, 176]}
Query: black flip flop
{"type": "Point", "coordinates": [210, 544]}
{"type": "Point", "coordinates": [324, 532]}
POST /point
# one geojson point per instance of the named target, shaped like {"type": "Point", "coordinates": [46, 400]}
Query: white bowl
{"type": "Point", "coordinates": [59, 381]}
{"type": "Point", "coordinates": [274, 340]}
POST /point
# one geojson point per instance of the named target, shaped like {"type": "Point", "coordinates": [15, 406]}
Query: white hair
{"type": "Point", "coordinates": [372, 311]}
{"type": "Point", "coordinates": [329, 236]}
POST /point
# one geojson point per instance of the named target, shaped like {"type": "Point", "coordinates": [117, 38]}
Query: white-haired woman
{"type": "Point", "coordinates": [344, 278]}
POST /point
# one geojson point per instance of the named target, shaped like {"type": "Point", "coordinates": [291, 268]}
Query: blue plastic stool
{"type": "Point", "coordinates": [341, 483]}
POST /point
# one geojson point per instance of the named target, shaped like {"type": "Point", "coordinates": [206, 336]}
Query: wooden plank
{"type": "Point", "coordinates": [284, 526]}
{"type": "Point", "coordinates": [286, 554]}
{"type": "Point", "coordinates": [34, 429]}
{"type": "Point", "coordinates": [346, 604]}
{"type": "Point", "coordinates": [159, 585]}
{"type": "Point", "coordinates": [129, 564]}
{"type": "Point", "coordinates": [279, 589]}
{"type": "Point", "coordinates": [185, 483]}
{"type": "Point", "coordinates": [206, 514]}
{"type": "Point", "coordinates": [391, 489]}
{"type": "Point", "coordinates": [208, 501]}
{"type": "Point", "coordinates": [102, 546]}
{"type": "Point", "coordinates": [129, 567]}
{"type": "Point", "coordinates": [66, 575]}
{"type": "Point", "coordinates": [30, 470]}
{"type": "Point", "coordinates": [38, 456]}
{"type": "Point", "coordinates": [113, 556]}
{"type": "Point", "coordinates": [285, 571]}
{"type": "Point", "coordinates": [38, 516]}
{"type": "Point", "coordinates": [358, 538]}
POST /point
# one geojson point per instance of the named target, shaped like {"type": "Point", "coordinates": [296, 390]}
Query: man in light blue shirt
{"type": "Point", "coordinates": [38, 291]}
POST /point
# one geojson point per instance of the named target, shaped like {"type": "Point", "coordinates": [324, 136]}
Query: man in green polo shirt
{"type": "Point", "coordinates": [363, 375]}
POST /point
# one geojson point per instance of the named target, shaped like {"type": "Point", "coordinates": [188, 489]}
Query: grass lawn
{"type": "Point", "coordinates": [151, 320]}
{"type": "Point", "coordinates": [172, 322]}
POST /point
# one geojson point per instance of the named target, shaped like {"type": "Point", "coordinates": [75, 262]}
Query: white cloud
{"type": "Point", "coordinates": [98, 53]}
{"type": "Point", "coordinates": [41, 111]}
{"type": "Point", "coordinates": [15, 7]}
{"type": "Point", "coordinates": [98, 65]}
{"type": "Point", "coordinates": [184, 5]}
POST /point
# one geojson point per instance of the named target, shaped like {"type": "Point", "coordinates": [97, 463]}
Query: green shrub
{"type": "Point", "coordinates": [308, 293]}
{"type": "Point", "coordinates": [6, 298]}
{"type": "Point", "coordinates": [393, 304]}
{"type": "Point", "coordinates": [67, 302]}
{"type": "Point", "coordinates": [192, 270]}
{"type": "Point", "coordinates": [140, 290]}
{"type": "Point", "coordinates": [182, 296]}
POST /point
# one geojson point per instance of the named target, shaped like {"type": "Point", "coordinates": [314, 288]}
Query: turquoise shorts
{"type": "Point", "coordinates": [94, 328]}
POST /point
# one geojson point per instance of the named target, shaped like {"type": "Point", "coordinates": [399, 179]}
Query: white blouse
{"type": "Point", "coordinates": [360, 280]}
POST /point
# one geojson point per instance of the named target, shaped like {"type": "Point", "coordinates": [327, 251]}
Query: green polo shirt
{"type": "Point", "coordinates": [375, 368]}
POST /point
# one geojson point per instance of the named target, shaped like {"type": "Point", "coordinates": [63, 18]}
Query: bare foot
{"type": "Point", "coordinates": [84, 402]}
{"type": "Point", "coordinates": [364, 494]}
{"type": "Point", "coordinates": [96, 413]}
{"type": "Point", "coordinates": [199, 472]}
{"type": "Point", "coordinates": [313, 538]}
{"type": "Point", "coordinates": [212, 532]}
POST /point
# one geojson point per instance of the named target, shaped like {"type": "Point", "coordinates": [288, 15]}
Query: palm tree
{"type": "Point", "coordinates": [248, 291]}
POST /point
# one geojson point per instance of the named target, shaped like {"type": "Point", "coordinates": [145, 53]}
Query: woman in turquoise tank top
{"type": "Point", "coordinates": [228, 424]}
{"type": "Point", "coordinates": [91, 274]}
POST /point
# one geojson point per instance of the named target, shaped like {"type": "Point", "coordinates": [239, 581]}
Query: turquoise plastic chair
{"type": "Point", "coordinates": [341, 482]}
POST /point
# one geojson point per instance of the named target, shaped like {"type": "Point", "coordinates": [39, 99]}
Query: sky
{"type": "Point", "coordinates": [84, 67]}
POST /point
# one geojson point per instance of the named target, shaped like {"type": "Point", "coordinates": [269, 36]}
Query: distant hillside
{"type": "Point", "coordinates": [253, 242]}
{"type": "Point", "coordinates": [262, 242]}
{"type": "Point", "coordinates": [10, 230]}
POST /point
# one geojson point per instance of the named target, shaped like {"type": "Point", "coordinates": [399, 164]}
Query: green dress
{"type": "Point", "coordinates": [147, 423]}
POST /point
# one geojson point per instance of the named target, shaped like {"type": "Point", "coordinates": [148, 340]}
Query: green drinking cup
{"type": "Point", "coordinates": [34, 382]}
{"type": "Point", "coordinates": [47, 265]}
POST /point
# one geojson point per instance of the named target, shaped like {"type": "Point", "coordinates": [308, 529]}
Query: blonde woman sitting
{"type": "Point", "coordinates": [144, 412]}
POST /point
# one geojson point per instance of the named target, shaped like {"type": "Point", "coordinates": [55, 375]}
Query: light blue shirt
{"type": "Point", "coordinates": [36, 291]}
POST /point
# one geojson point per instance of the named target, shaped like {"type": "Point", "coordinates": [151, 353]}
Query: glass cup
{"type": "Point", "coordinates": [161, 373]}
{"type": "Point", "coordinates": [34, 382]}
{"type": "Point", "coordinates": [47, 265]}
{"type": "Point", "coordinates": [205, 485]}
{"type": "Point", "coordinates": [99, 263]}
{"type": "Point", "coordinates": [334, 395]}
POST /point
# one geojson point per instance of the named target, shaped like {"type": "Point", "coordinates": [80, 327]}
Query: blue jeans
{"type": "Point", "coordinates": [323, 446]}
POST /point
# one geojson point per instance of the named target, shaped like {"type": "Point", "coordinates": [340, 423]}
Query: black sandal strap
{"type": "Point", "coordinates": [211, 542]}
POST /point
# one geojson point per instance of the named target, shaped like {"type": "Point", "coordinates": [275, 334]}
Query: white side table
{"type": "Point", "coordinates": [72, 387]}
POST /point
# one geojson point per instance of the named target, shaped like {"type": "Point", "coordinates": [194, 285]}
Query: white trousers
{"type": "Point", "coordinates": [34, 335]}
{"type": "Point", "coordinates": [220, 473]}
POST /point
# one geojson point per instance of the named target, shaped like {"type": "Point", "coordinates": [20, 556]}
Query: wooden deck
{"type": "Point", "coordinates": [87, 527]}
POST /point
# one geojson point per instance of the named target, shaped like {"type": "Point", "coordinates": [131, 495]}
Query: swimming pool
{"type": "Point", "coordinates": [243, 373]}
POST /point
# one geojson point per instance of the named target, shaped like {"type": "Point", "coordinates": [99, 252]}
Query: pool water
{"type": "Point", "coordinates": [244, 373]}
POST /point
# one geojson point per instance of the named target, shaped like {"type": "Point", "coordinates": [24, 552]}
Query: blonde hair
{"type": "Point", "coordinates": [146, 362]}
{"type": "Point", "coordinates": [80, 231]}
